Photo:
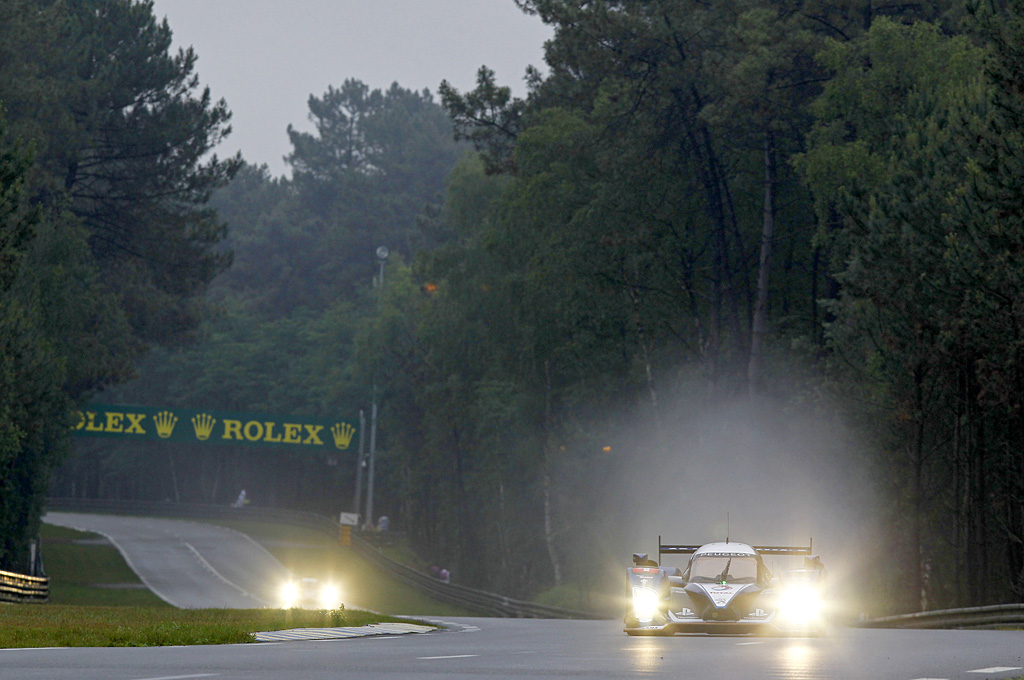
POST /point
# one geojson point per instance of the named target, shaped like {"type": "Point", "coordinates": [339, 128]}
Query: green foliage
{"type": "Point", "coordinates": [106, 244]}
{"type": "Point", "coordinates": [488, 116]}
{"type": "Point", "coordinates": [121, 139]}
{"type": "Point", "coordinates": [376, 160]}
{"type": "Point", "coordinates": [700, 203]}
{"type": "Point", "coordinates": [905, 128]}
{"type": "Point", "coordinates": [288, 313]}
{"type": "Point", "coordinates": [31, 370]}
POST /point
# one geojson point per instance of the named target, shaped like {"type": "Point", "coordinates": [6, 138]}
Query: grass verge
{"type": "Point", "coordinates": [76, 626]}
{"type": "Point", "coordinates": [85, 569]}
{"type": "Point", "coordinates": [570, 596]}
{"type": "Point", "coordinates": [96, 600]}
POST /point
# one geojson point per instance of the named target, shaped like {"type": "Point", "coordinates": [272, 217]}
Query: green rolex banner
{"type": "Point", "coordinates": [213, 427]}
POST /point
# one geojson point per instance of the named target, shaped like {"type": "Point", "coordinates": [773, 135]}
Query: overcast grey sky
{"type": "Point", "coordinates": [265, 57]}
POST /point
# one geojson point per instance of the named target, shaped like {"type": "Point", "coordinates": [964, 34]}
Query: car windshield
{"type": "Point", "coordinates": [716, 569]}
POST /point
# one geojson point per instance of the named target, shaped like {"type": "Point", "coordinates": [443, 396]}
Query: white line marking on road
{"type": "Point", "coordinates": [759, 642]}
{"type": "Point", "coordinates": [931, 678]}
{"type": "Point", "coordinates": [998, 669]}
{"type": "Point", "coordinates": [216, 573]}
{"type": "Point", "coordinates": [183, 677]}
{"type": "Point", "coordinates": [453, 656]}
{"type": "Point", "coordinates": [464, 628]}
{"type": "Point", "coordinates": [29, 649]}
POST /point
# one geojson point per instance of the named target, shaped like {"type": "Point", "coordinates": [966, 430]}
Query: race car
{"type": "Point", "coordinates": [309, 593]}
{"type": "Point", "coordinates": [726, 588]}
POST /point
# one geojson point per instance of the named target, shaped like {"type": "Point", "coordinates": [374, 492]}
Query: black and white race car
{"type": "Point", "coordinates": [726, 588]}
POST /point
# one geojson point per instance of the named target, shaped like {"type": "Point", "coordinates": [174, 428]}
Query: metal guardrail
{"type": "Point", "coordinates": [192, 511]}
{"type": "Point", "coordinates": [16, 587]}
{"type": "Point", "coordinates": [479, 601]}
{"type": "Point", "coordinates": [990, 616]}
{"type": "Point", "coordinates": [475, 600]}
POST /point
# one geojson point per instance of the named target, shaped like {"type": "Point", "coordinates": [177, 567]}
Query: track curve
{"type": "Point", "coordinates": [188, 564]}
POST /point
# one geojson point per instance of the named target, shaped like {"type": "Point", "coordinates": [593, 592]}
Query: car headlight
{"type": "Point", "coordinates": [800, 604]}
{"type": "Point", "coordinates": [645, 603]}
{"type": "Point", "coordinates": [289, 594]}
{"type": "Point", "coordinates": [330, 597]}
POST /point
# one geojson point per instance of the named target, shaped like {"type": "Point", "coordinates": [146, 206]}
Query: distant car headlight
{"type": "Point", "coordinates": [330, 597]}
{"type": "Point", "coordinates": [645, 603]}
{"type": "Point", "coordinates": [801, 604]}
{"type": "Point", "coordinates": [289, 594]}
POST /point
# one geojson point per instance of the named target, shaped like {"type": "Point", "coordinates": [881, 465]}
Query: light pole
{"type": "Point", "coordinates": [359, 466]}
{"type": "Point", "coordinates": [382, 257]}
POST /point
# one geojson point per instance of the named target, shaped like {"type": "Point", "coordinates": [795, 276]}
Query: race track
{"type": "Point", "coordinates": [188, 564]}
{"type": "Point", "coordinates": [193, 564]}
{"type": "Point", "coordinates": [538, 649]}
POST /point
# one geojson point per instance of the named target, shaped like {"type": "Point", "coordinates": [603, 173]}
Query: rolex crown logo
{"type": "Point", "coordinates": [165, 422]}
{"type": "Point", "coordinates": [203, 423]}
{"type": "Point", "coordinates": [342, 435]}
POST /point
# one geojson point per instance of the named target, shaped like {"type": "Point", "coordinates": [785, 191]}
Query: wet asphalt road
{"type": "Point", "coordinates": [517, 648]}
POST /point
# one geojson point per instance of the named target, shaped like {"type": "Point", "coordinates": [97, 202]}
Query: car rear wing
{"type": "Point", "coordinates": [676, 549]}
{"type": "Point", "coordinates": [785, 549]}
{"type": "Point", "coordinates": [668, 549]}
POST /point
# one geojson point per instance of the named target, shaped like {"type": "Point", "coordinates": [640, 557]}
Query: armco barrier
{"type": "Point", "coordinates": [479, 601]}
{"type": "Point", "coordinates": [469, 598]}
{"type": "Point", "coordinates": [969, 617]}
{"type": "Point", "coordinates": [192, 511]}
{"type": "Point", "coordinates": [21, 588]}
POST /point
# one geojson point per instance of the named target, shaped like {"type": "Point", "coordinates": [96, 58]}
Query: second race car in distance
{"type": "Point", "coordinates": [310, 593]}
{"type": "Point", "coordinates": [726, 588]}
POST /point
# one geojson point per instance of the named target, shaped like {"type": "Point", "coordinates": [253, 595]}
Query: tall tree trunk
{"type": "Point", "coordinates": [462, 529]}
{"type": "Point", "coordinates": [549, 530]}
{"type": "Point", "coordinates": [765, 265]}
{"type": "Point", "coordinates": [1015, 503]}
{"type": "Point", "coordinates": [917, 462]}
{"type": "Point", "coordinates": [174, 477]}
{"type": "Point", "coordinates": [549, 524]}
{"type": "Point", "coordinates": [958, 487]}
{"type": "Point", "coordinates": [817, 329]}
{"type": "Point", "coordinates": [974, 543]}
{"type": "Point", "coordinates": [216, 479]}
{"type": "Point", "coordinates": [645, 349]}
{"type": "Point", "coordinates": [724, 303]}
{"type": "Point", "coordinates": [981, 498]}
{"type": "Point", "coordinates": [504, 549]}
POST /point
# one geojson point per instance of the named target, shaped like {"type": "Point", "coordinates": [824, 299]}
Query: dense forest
{"type": "Point", "coordinates": [749, 260]}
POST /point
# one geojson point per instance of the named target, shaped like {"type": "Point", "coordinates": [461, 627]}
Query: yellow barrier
{"type": "Point", "coordinates": [16, 587]}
